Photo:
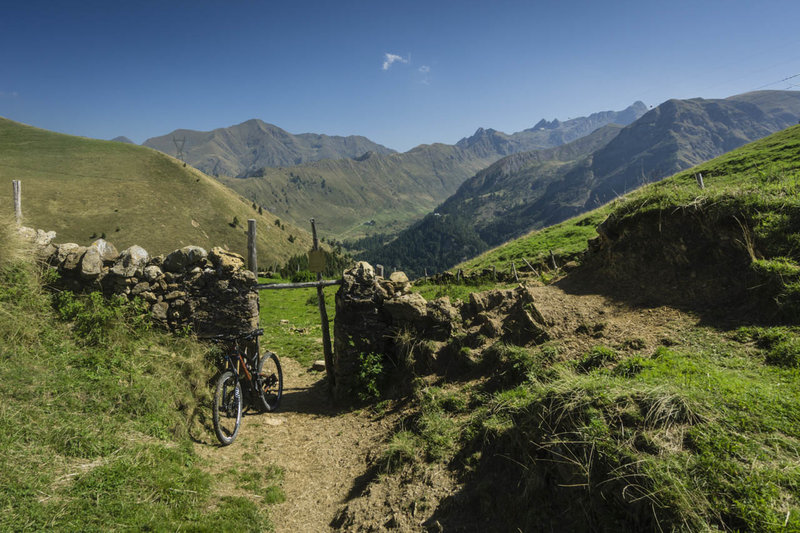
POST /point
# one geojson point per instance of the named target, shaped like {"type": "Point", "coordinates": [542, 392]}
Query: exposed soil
{"type": "Point", "coordinates": [322, 451]}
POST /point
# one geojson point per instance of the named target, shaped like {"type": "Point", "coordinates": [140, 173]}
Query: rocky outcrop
{"type": "Point", "coordinates": [189, 288]}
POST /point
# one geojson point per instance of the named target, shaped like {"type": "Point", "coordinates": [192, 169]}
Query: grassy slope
{"type": "Point", "coordinates": [82, 187]}
{"type": "Point", "coordinates": [344, 194]}
{"type": "Point", "coordinates": [762, 174]}
{"type": "Point", "coordinates": [700, 434]}
{"type": "Point", "coordinates": [98, 417]}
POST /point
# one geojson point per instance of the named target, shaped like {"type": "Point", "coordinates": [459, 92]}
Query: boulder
{"type": "Point", "coordinates": [63, 250]}
{"type": "Point", "coordinates": [181, 260]}
{"type": "Point", "coordinates": [91, 264]}
{"type": "Point", "coordinates": [159, 311]}
{"type": "Point", "coordinates": [225, 260]}
{"type": "Point", "coordinates": [398, 277]}
{"type": "Point", "coordinates": [131, 262]}
{"type": "Point", "coordinates": [108, 252]}
{"type": "Point", "coordinates": [73, 259]}
{"type": "Point", "coordinates": [152, 273]}
{"type": "Point", "coordinates": [406, 307]}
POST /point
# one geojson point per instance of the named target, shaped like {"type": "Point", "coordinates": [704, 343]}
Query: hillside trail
{"type": "Point", "coordinates": [326, 453]}
{"type": "Point", "coordinates": [322, 450]}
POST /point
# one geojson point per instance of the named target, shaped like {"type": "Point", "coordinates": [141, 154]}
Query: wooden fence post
{"type": "Point", "coordinates": [514, 270]}
{"type": "Point", "coordinates": [252, 257]}
{"type": "Point", "coordinates": [323, 315]}
{"type": "Point", "coordinates": [699, 178]}
{"type": "Point", "coordinates": [553, 259]}
{"type": "Point", "coordinates": [379, 270]}
{"type": "Point", "coordinates": [17, 185]}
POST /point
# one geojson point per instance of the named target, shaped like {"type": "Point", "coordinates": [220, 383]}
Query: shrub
{"type": "Point", "coordinates": [369, 377]}
{"type": "Point", "coordinates": [785, 354]}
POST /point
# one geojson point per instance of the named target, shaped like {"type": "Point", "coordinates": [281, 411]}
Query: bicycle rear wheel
{"type": "Point", "coordinates": [227, 410]}
{"type": "Point", "coordinates": [270, 381]}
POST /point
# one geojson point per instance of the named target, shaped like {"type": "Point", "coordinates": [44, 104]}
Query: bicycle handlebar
{"type": "Point", "coordinates": [233, 338]}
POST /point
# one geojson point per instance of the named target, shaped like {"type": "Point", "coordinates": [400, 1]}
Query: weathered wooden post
{"type": "Point", "coordinates": [699, 178]}
{"type": "Point", "coordinates": [494, 272]}
{"type": "Point", "coordinates": [323, 313]}
{"type": "Point", "coordinates": [536, 272]}
{"type": "Point", "coordinates": [553, 259]}
{"type": "Point", "coordinates": [252, 258]}
{"type": "Point", "coordinates": [379, 270]}
{"type": "Point", "coordinates": [17, 185]}
{"type": "Point", "coordinates": [514, 270]}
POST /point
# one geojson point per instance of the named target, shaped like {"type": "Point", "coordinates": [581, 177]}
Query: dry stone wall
{"type": "Point", "coordinates": [209, 292]}
{"type": "Point", "coordinates": [383, 316]}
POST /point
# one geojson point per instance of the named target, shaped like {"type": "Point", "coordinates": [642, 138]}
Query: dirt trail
{"type": "Point", "coordinates": [326, 453]}
{"type": "Point", "coordinates": [322, 450]}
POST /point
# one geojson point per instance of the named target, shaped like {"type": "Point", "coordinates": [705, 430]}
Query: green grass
{"type": "Point", "coordinates": [97, 420]}
{"type": "Point", "coordinates": [85, 188]}
{"type": "Point", "coordinates": [291, 321]}
{"type": "Point", "coordinates": [566, 239]}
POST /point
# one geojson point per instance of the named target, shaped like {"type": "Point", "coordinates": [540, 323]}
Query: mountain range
{"type": "Point", "coordinates": [530, 190]}
{"type": "Point", "coordinates": [245, 147]}
{"type": "Point", "coordinates": [379, 192]}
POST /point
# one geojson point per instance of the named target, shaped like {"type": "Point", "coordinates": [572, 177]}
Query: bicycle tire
{"type": "Point", "coordinates": [270, 384]}
{"type": "Point", "coordinates": [227, 412]}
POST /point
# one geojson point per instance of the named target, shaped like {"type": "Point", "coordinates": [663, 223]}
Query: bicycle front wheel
{"type": "Point", "coordinates": [270, 381]}
{"type": "Point", "coordinates": [227, 408]}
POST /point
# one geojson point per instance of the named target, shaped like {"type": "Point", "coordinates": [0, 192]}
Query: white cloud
{"type": "Point", "coordinates": [392, 58]}
{"type": "Point", "coordinates": [424, 69]}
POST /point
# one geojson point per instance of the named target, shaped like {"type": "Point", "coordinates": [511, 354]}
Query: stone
{"type": "Point", "coordinates": [181, 260]}
{"type": "Point", "coordinates": [149, 296]}
{"type": "Point", "coordinates": [318, 365]}
{"type": "Point", "coordinates": [64, 250]}
{"type": "Point", "coordinates": [43, 238]}
{"type": "Point", "coordinates": [152, 273]}
{"type": "Point", "coordinates": [108, 253]}
{"type": "Point", "coordinates": [159, 311]}
{"type": "Point", "coordinates": [73, 259]}
{"type": "Point", "coordinates": [139, 288]}
{"type": "Point", "coordinates": [398, 277]}
{"type": "Point", "coordinates": [225, 260]}
{"type": "Point", "coordinates": [131, 261]}
{"type": "Point", "coordinates": [29, 234]}
{"type": "Point", "coordinates": [174, 295]}
{"type": "Point", "coordinates": [91, 264]}
{"type": "Point", "coordinates": [406, 307]}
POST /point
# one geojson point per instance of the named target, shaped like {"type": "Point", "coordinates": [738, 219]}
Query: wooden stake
{"type": "Point", "coordinates": [17, 201]}
{"type": "Point", "coordinates": [553, 259]}
{"type": "Point", "coordinates": [514, 270]}
{"type": "Point", "coordinates": [323, 315]}
{"type": "Point", "coordinates": [252, 258]}
{"type": "Point", "coordinates": [699, 178]}
{"type": "Point", "coordinates": [530, 266]}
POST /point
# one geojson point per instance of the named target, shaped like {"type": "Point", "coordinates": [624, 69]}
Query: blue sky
{"type": "Point", "coordinates": [400, 73]}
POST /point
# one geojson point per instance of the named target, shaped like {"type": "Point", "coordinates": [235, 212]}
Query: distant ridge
{"type": "Point", "coordinates": [534, 189]}
{"type": "Point", "coordinates": [375, 192]}
{"type": "Point", "coordinates": [123, 139]}
{"type": "Point", "coordinates": [245, 147]}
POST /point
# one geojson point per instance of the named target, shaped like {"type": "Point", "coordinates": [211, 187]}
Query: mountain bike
{"type": "Point", "coordinates": [261, 374]}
